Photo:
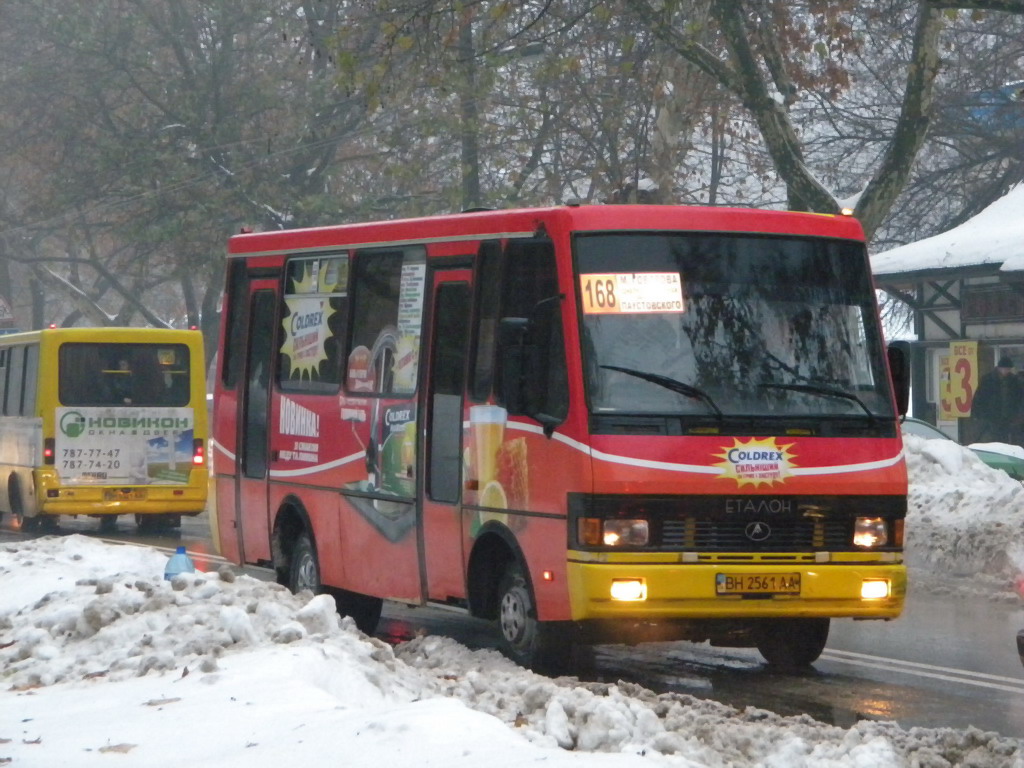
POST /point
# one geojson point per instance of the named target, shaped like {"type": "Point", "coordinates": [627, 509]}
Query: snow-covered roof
{"type": "Point", "coordinates": [995, 237]}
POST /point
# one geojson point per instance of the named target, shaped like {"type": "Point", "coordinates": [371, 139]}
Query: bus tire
{"type": "Point", "coordinates": [108, 523]}
{"type": "Point", "coordinates": [152, 523]}
{"type": "Point", "coordinates": [304, 573]}
{"type": "Point", "coordinates": [363, 609]}
{"type": "Point", "coordinates": [304, 568]}
{"type": "Point", "coordinates": [543, 646]}
{"type": "Point", "coordinates": [26, 524]}
{"type": "Point", "coordinates": [792, 644]}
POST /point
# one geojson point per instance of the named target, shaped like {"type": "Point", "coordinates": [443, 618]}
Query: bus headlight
{"type": "Point", "coordinates": [613, 532]}
{"type": "Point", "coordinates": [625, 533]}
{"type": "Point", "coordinates": [870, 532]}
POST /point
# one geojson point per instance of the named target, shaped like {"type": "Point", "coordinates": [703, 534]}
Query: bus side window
{"type": "Point", "coordinates": [234, 336]}
{"type": "Point", "coordinates": [315, 315]}
{"type": "Point", "coordinates": [28, 401]}
{"type": "Point", "coordinates": [530, 290]}
{"type": "Point", "coordinates": [387, 315]}
{"type": "Point", "coordinates": [5, 356]}
{"type": "Point", "coordinates": [15, 375]}
{"type": "Point", "coordinates": [487, 303]}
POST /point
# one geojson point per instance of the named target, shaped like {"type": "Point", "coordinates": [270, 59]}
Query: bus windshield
{"type": "Point", "coordinates": [119, 374]}
{"type": "Point", "coordinates": [722, 325]}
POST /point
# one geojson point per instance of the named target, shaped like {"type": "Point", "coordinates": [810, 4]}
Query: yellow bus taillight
{"type": "Point", "coordinates": [198, 452]}
{"type": "Point", "coordinates": [48, 450]}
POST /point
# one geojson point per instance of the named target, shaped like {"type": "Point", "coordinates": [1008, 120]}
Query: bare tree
{"type": "Point", "coordinates": [167, 124]}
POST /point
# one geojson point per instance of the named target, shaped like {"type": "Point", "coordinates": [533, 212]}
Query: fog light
{"type": "Point", "coordinates": [870, 532]}
{"type": "Point", "coordinates": [629, 590]}
{"type": "Point", "coordinates": [874, 589]}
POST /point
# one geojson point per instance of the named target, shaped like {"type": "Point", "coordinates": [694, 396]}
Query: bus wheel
{"type": "Point", "coordinates": [791, 644]}
{"type": "Point", "coordinates": [108, 523]}
{"type": "Point", "coordinates": [28, 524]}
{"type": "Point", "coordinates": [364, 610]}
{"type": "Point", "coordinates": [543, 646]}
{"type": "Point", "coordinates": [304, 572]}
{"type": "Point", "coordinates": [151, 523]}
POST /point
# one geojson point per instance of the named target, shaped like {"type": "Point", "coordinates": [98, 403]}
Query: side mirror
{"type": "Point", "coordinates": [898, 353]}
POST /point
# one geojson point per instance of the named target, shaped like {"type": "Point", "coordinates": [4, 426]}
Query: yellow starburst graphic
{"type": "Point", "coordinates": [305, 327]}
{"type": "Point", "coordinates": [756, 461]}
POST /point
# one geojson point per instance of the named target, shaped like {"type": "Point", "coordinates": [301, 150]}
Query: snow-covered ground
{"type": "Point", "coordinates": [102, 663]}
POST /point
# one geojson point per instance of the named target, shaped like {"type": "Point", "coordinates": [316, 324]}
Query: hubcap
{"type": "Point", "coordinates": [513, 617]}
{"type": "Point", "coordinates": [307, 577]}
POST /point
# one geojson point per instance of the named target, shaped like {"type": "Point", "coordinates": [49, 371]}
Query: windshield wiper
{"type": "Point", "coordinates": [670, 384]}
{"type": "Point", "coordinates": [818, 389]}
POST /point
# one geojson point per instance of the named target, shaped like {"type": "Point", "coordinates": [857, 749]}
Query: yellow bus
{"type": "Point", "coordinates": [103, 422]}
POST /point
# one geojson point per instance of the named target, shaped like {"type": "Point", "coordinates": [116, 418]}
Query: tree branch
{"type": "Point", "coordinates": [686, 46]}
{"type": "Point", "coordinates": [1010, 6]}
{"type": "Point", "coordinates": [804, 190]}
{"type": "Point", "coordinates": [912, 126]}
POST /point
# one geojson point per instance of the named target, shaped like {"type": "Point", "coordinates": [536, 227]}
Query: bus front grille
{"type": "Point", "coordinates": [756, 536]}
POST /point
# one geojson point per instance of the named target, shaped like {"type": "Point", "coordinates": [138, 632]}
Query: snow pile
{"type": "Point", "coordinates": [100, 656]}
{"type": "Point", "coordinates": [965, 522]}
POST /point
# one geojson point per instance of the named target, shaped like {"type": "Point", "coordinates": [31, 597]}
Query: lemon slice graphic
{"type": "Point", "coordinates": [493, 495]}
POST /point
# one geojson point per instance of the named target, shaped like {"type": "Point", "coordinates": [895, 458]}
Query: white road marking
{"type": "Point", "coordinates": [950, 674]}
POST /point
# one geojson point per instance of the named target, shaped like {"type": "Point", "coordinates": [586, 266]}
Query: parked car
{"type": "Point", "coordinates": [1009, 458]}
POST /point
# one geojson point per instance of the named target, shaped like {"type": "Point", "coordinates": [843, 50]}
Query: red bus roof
{"type": "Point", "coordinates": [525, 221]}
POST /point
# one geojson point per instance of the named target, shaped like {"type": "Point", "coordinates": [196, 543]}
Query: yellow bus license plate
{"type": "Point", "coordinates": [757, 583]}
{"type": "Point", "coordinates": [124, 494]}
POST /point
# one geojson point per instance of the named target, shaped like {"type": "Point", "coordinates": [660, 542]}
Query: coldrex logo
{"type": "Point", "coordinates": [72, 424]}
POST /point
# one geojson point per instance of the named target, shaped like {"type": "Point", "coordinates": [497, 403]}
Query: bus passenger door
{"type": "Point", "coordinates": [440, 462]}
{"type": "Point", "coordinates": [251, 512]}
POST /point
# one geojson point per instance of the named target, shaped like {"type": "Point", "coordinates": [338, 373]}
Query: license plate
{"type": "Point", "coordinates": [757, 583]}
{"type": "Point", "coordinates": [124, 494]}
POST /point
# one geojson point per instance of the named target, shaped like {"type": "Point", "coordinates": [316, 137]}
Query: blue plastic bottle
{"type": "Point", "coordinates": [179, 562]}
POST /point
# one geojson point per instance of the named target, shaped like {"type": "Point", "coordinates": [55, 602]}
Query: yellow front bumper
{"type": "Point", "coordinates": [682, 590]}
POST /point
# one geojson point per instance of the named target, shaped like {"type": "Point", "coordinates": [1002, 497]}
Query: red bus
{"type": "Point", "coordinates": [586, 423]}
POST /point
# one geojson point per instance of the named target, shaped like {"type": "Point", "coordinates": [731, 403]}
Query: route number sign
{"type": "Point", "coordinates": [631, 293]}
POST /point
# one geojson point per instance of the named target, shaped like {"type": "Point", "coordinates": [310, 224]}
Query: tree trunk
{"type": "Point", "coordinates": [891, 176]}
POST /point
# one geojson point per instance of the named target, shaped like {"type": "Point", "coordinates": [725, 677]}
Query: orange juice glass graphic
{"type": "Point", "coordinates": [487, 427]}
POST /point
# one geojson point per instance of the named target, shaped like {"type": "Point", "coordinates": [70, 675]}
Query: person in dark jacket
{"type": "Point", "coordinates": [998, 404]}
